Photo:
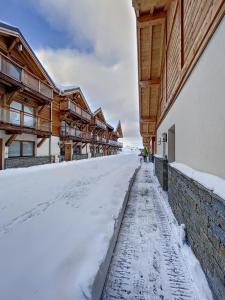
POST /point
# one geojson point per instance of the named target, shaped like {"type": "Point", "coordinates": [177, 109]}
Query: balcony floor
{"type": "Point", "coordinates": [13, 129]}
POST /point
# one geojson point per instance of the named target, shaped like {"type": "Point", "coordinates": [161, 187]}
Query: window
{"type": "Point", "coordinates": [16, 105]}
{"type": "Point", "coordinates": [28, 148]}
{"type": "Point", "coordinates": [21, 149]}
{"type": "Point", "coordinates": [77, 150]}
{"type": "Point", "coordinates": [28, 119]}
{"type": "Point", "coordinates": [14, 149]}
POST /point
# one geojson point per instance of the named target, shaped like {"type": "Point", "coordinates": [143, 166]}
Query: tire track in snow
{"type": "Point", "coordinates": [147, 263]}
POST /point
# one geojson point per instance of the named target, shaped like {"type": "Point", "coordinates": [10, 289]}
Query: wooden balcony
{"type": "Point", "coordinates": [115, 144]}
{"type": "Point", "coordinates": [75, 134]}
{"type": "Point", "coordinates": [11, 72]}
{"type": "Point", "coordinates": [100, 124]}
{"type": "Point", "coordinates": [101, 140]}
{"type": "Point", "coordinates": [17, 121]}
{"type": "Point", "coordinates": [76, 110]}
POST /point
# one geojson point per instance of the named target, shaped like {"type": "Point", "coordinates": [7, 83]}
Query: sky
{"type": "Point", "coordinates": [86, 43]}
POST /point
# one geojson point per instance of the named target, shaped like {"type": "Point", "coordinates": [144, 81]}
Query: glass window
{"type": "Point", "coordinates": [27, 149]}
{"type": "Point", "coordinates": [29, 121]}
{"type": "Point", "coordinates": [62, 150]}
{"type": "Point", "coordinates": [16, 105]}
{"type": "Point", "coordinates": [14, 149]}
{"type": "Point", "coordinates": [28, 109]}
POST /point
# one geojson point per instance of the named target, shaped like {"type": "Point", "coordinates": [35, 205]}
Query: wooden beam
{"type": "Point", "coordinates": [84, 145]}
{"type": "Point", "coordinates": [10, 140]}
{"type": "Point", "coordinates": [10, 96]}
{"type": "Point", "coordinates": [75, 144]}
{"type": "Point", "coordinates": [148, 119]}
{"type": "Point", "coordinates": [147, 83]}
{"type": "Point", "coordinates": [13, 44]}
{"type": "Point", "coordinates": [40, 109]}
{"type": "Point", "coordinates": [148, 17]}
{"type": "Point", "coordinates": [41, 142]}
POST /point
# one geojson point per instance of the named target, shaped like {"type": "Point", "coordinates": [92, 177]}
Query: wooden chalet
{"type": "Point", "coordinates": [181, 63]}
{"type": "Point", "coordinates": [114, 144]}
{"type": "Point", "coordinates": [26, 93]}
{"type": "Point", "coordinates": [39, 123]}
{"type": "Point", "coordinates": [105, 139]}
{"type": "Point", "coordinates": [72, 119]}
{"type": "Point", "coordinates": [100, 133]}
{"type": "Point", "coordinates": [171, 35]}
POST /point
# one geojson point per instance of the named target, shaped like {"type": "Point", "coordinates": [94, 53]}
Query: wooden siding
{"type": "Point", "coordinates": [173, 54]}
{"type": "Point", "coordinates": [56, 116]}
{"type": "Point", "coordinates": [169, 50]}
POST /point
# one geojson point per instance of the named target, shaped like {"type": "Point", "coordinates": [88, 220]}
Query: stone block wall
{"type": "Point", "coordinates": [161, 171]}
{"type": "Point", "coordinates": [23, 162]}
{"type": "Point", "coordinates": [203, 214]}
{"type": "Point", "coordinates": [80, 156]}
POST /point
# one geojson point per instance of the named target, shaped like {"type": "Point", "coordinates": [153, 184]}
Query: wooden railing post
{"type": "Point", "coordinates": [21, 119]}
{"type": "Point", "coordinates": [22, 76]}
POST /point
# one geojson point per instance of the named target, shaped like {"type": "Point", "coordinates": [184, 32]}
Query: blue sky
{"type": "Point", "coordinates": [38, 32]}
{"type": "Point", "coordinates": [86, 43]}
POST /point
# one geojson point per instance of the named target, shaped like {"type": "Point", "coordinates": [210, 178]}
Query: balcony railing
{"type": "Point", "coordinates": [87, 135]}
{"type": "Point", "coordinates": [73, 132]}
{"type": "Point", "coordinates": [64, 105]}
{"type": "Point", "coordinates": [100, 124]}
{"type": "Point", "coordinates": [16, 72]}
{"type": "Point", "coordinates": [69, 131]}
{"type": "Point", "coordinates": [22, 119]}
{"type": "Point", "coordinates": [115, 143]}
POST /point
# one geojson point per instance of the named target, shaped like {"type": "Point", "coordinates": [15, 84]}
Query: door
{"type": "Point", "coordinates": [67, 152]}
{"type": "Point", "coordinates": [1, 153]}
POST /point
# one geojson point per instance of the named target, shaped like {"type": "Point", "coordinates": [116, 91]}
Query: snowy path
{"type": "Point", "coordinates": [150, 260]}
{"type": "Point", "coordinates": [56, 223]}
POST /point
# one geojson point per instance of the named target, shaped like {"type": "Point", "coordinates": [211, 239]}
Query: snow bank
{"type": "Point", "coordinates": [56, 225]}
{"type": "Point", "coordinates": [190, 260]}
{"type": "Point", "coordinates": [211, 182]}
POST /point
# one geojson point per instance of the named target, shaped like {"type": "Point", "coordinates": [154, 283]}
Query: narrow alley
{"type": "Point", "coordinates": [151, 259]}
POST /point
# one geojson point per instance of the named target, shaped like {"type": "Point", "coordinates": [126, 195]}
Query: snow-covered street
{"type": "Point", "coordinates": [56, 222]}
{"type": "Point", "coordinates": [151, 260]}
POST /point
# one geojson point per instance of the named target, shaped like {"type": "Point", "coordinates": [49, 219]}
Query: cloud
{"type": "Point", "coordinates": [108, 73]}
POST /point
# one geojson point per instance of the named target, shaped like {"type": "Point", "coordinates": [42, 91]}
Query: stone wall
{"type": "Point", "coordinates": [203, 213]}
{"type": "Point", "coordinates": [80, 156]}
{"type": "Point", "coordinates": [161, 171]}
{"type": "Point", "coordinates": [23, 162]}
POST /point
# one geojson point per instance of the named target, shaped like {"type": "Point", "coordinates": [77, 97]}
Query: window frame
{"type": "Point", "coordinates": [22, 108]}
{"type": "Point", "coordinates": [21, 149]}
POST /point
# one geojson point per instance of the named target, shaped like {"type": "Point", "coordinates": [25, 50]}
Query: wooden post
{"type": "Point", "coordinates": [41, 142]}
{"type": "Point", "coordinates": [11, 139]}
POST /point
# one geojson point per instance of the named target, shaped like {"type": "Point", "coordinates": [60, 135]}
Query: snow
{"type": "Point", "coordinates": [152, 259]}
{"type": "Point", "coordinates": [56, 222]}
{"type": "Point", "coordinates": [158, 156]}
{"type": "Point", "coordinates": [191, 263]}
{"type": "Point", "coordinates": [211, 182]}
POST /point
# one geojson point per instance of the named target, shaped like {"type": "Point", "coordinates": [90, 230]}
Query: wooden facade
{"type": "Point", "coordinates": [38, 119]}
{"type": "Point", "coordinates": [105, 139]}
{"type": "Point", "coordinates": [171, 36]}
{"type": "Point", "coordinates": [26, 93]}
